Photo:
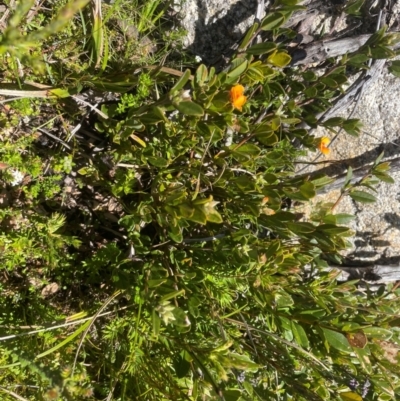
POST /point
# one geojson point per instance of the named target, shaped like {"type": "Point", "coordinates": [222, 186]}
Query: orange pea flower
{"type": "Point", "coordinates": [237, 97]}
{"type": "Point", "coordinates": [323, 145]}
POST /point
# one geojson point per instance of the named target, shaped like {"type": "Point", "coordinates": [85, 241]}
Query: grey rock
{"type": "Point", "coordinates": [377, 225]}
{"type": "Point", "coordinates": [214, 26]}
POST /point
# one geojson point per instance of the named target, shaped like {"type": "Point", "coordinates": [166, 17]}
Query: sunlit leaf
{"type": "Point", "coordinates": [361, 196]}
{"type": "Point", "coordinates": [350, 396]}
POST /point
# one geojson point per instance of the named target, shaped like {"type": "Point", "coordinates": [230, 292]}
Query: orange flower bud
{"type": "Point", "coordinates": [237, 97]}
{"type": "Point", "coordinates": [323, 145]}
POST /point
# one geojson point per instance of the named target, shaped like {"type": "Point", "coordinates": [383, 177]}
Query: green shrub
{"type": "Point", "coordinates": [215, 287]}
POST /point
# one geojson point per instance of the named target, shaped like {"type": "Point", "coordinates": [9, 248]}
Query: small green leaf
{"type": "Point", "coordinates": [181, 319]}
{"type": "Point", "coordinates": [156, 323]}
{"type": "Point", "coordinates": [232, 394]}
{"type": "Point", "coordinates": [378, 333]}
{"type": "Point", "coordinates": [201, 74]}
{"type": "Point", "coordinates": [248, 387]}
{"type": "Point", "coordinates": [352, 126]}
{"type": "Point", "coordinates": [378, 159]}
{"type": "Point", "coordinates": [343, 218]}
{"type": "Point", "coordinates": [213, 215]}
{"type": "Point", "coordinates": [349, 176]}
{"type": "Point", "coordinates": [248, 36]}
{"type": "Point", "coordinates": [263, 128]}
{"type": "Point", "coordinates": [273, 249]}
{"type": "Point", "coordinates": [193, 306]}
{"type": "Point", "coordinates": [262, 48]}
{"type": "Point", "coordinates": [382, 167]}
{"type": "Point", "coordinates": [384, 177]}
{"type": "Point", "coordinates": [272, 21]}
{"type": "Point", "coordinates": [268, 138]}
{"type": "Point", "coordinates": [363, 357]}
{"type": "Point", "coordinates": [283, 299]}
{"type": "Point", "coordinates": [190, 108]}
{"type": "Point", "coordinates": [173, 294]}
{"type": "Point", "coordinates": [311, 92]}
{"type": "Point", "coordinates": [153, 116]}
{"type": "Point", "coordinates": [291, 121]}
{"type": "Point", "coordinates": [376, 37]}
{"type": "Point", "coordinates": [239, 66]}
{"type": "Point", "coordinates": [382, 52]}
{"type": "Point", "coordinates": [395, 68]}
{"type": "Point", "coordinates": [181, 82]}
{"type": "Point", "coordinates": [329, 82]}
{"type": "Point", "coordinates": [300, 334]}
{"type": "Point", "coordinates": [255, 74]}
{"type": "Point", "coordinates": [185, 210]}
{"type": "Point", "coordinates": [279, 59]}
{"type": "Point", "coordinates": [138, 140]}
{"type": "Point", "coordinates": [199, 215]}
{"type": "Point", "coordinates": [247, 151]}
{"type": "Point", "coordinates": [320, 182]}
{"type": "Point", "coordinates": [181, 366]}
{"type": "Point", "coordinates": [66, 341]}
{"type": "Point", "coordinates": [286, 2]}
{"type": "Point", "coordinates": [353, 7]}
{"type": "Point", "coordinates": [337, 340]}
{"type": "Point", "coordinates": [156, 282]}
{"type": "Point", "coordinates": [242, 362]}
{"type": "Point", "coordinates": [333, 122]}
{"type": "Point", "coordinates": [350, 396]}
{"type": "Point", "coordinates": [175, 233]}
{"type": "Point", "coordinates": [301, 227]}
{"type": "Point", "coordinates": [61, 93]}
{"type": "Point", "coordinates": [310, 76]}
{"type": "Point", "coordinates": [244, 183]}
{"type": "Point", "coordinates": [358, 59]}
{"type": "Point", "coordinates": [308, 190]}
{"type": "Point", "coordinates": [361, 196]}
{"type": "Point", "coordinates": [157, 161]}
{"type": "Point", "coordinates": [332, 229]}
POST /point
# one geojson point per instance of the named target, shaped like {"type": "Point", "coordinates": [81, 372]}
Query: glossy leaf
{"type": "Point", "coordinates": [272, 21]}
{"type": "Point", "coordinates": [248, 36]}
{"type": "Point", "coordinates": [300, 334]}
{"type": "Point", "coordinates": [238, 68]}
{"type": "Point", "coordinates": [361, 196]}
{"type": "Point", "coordinates": [261, 48]}
{"type": "Point", "coordinates": [337, 340]}
{"type": "Point", "coordinates": [279, 59]}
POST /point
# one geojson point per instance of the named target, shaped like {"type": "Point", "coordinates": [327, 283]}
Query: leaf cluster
{"type": "Point", "coordinates": [201, 281]}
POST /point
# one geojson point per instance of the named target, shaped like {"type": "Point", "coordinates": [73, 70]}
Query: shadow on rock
{"type": "Point", "coordinates": [393, 220]}
{"type": "Point", "coordinates": [390, 150]}
{"type": "Point", "coordinates": [214, 36]}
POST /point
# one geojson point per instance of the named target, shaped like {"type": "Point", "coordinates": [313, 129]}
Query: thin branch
{"type": "Point", "coordinates": [15, 395]}
{"type": "Point", "coordinates": [282, 340]}
{"type": "Point", "coordinates": [108, 301]}
{"type": "Point", "coordinates": [44, 131]}
{"type": "Point", "coordinates": [58, 326]}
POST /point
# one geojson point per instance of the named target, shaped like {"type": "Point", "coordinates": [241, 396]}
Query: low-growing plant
{"type": "Point", "coordinates": [180, 237]}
